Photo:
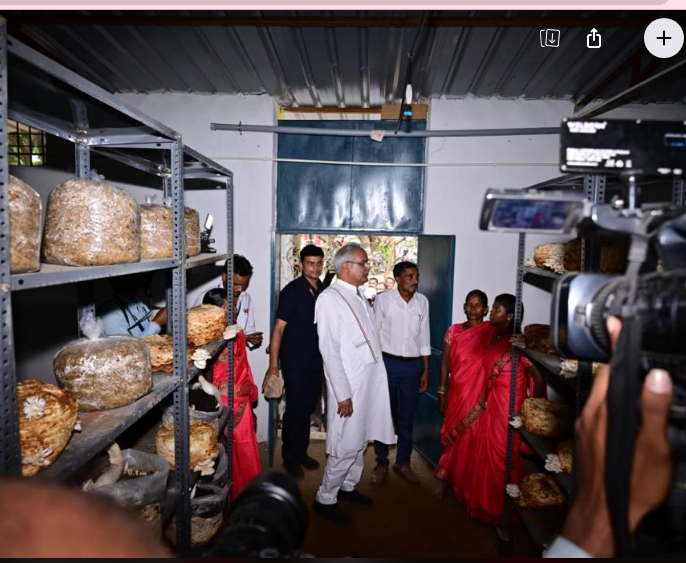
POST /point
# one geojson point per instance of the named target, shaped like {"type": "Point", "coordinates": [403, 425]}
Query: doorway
{"type": "Point", "coordinates": [384, 252]}
{"type": "Point", "coordinates": [435, 256]}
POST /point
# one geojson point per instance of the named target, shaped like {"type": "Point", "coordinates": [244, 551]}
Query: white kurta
{"type": "Point", "coordinates": [352, 371]}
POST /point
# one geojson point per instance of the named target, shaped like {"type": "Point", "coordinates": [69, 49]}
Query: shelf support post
{"type": "Point", "coordinates": [10, 449]}
{"type": "Point", "coordinates": [521, 255]}
{"type": "Point", "coordinates": [594, 189]}
{"type": "Point", "coordinates": [85, 291]}
{"type": "Point", "coordinates": [176, 304]}
{"type": "Point", "coordinates": [678, 195]}
{"type": "Point", "coordinates": [230, 299]}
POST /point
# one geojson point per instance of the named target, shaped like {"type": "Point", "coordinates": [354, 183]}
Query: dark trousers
{"type": "Point", "coordinates": [403, 385]}
{"type": "Point", "coordinates": [303, 388]}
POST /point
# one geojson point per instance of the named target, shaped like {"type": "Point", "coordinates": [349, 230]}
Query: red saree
{"type": "Point", "coordinates": [246, 457]}
{"type": "Point", "coordinates": [464, 404]}
{"type": "Point", "coordinates": [485, 483]}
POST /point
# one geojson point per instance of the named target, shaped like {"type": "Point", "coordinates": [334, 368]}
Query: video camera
{"type": "Point", "coordinates": [267, 520]}
{"type": "Point", "coordinates": [650, 297]}
{"type": "Point", "coordinates": [583, 302]}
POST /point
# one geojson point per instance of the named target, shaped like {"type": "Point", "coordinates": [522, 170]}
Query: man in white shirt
{"type": "Point", "coordinates": [402, 318]}
{"type": "Point", "coordinates": [243, 312]}
{"type": "Point", "coordinates": [359, 407]}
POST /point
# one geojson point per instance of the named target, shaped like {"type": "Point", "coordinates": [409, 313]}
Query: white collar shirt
{"type": "Point", "coordinates": [246, 315]}
{"type": "Point", "coordinates": [403, 327]}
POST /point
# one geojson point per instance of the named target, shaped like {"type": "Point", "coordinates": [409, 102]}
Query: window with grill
{"type": "Point", "coordinates": [26, 145]}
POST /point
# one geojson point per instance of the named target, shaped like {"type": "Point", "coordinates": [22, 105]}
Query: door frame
{"type": "Point", "coordinates": [276, 235]}
{"type": "Point", "coordinates": [430, 395]}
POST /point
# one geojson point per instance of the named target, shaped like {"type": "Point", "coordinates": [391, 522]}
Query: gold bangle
{"type": "Point", "coordinates": [441, 389]}
{"type": "Point", "coordinates": [440, 393]}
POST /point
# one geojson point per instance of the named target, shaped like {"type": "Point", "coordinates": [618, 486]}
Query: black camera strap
{"type": "Point", "coordinates": [623, 405]}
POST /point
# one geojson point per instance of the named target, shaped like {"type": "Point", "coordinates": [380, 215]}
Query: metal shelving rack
{"type": "Point", "coordinates": [538, 277]}
{"type": "Point", "coordinates": [543, 525]}
{"type": "Point", "coordinates": [550, 366]}
{"type": "Point", "coordinates": [49, 97]}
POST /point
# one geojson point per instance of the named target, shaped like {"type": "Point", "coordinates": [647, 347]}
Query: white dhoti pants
{"type": "Point", "coordinates": [340, 473]}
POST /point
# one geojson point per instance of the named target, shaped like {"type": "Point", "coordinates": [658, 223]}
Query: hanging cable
{"type": "Point", "coordinates": [408, 72]}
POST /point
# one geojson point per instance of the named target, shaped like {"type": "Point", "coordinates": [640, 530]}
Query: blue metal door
{"type": "Point", "coordinates": [325, 197]}
{"type": "Point", "coordinates": [436, 256]}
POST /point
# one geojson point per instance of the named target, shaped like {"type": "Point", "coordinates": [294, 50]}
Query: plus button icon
{"type": "Point", "coordinates": [663, 39]}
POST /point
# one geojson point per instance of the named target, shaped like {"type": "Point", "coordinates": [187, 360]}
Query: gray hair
{"type": "Point", "coordinates": [346, 254]}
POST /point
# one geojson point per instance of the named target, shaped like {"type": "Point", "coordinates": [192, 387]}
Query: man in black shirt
{"type": "Point", "coordinates": [295, 345]}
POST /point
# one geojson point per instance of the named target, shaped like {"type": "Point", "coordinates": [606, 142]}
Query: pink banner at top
{"type": "Point", "coordinates": [352, 5]}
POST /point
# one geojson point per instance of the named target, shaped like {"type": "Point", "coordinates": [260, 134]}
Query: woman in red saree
{"type": "Point", "coordinates": [484, 487]}
{"type": "Point", "coordinates": [246, 457]}
{"type": "Point", "coordinates": [460, 388]}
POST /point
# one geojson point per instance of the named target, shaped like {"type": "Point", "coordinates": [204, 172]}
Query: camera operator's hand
{"type": "Point", "coordinates": [588, 523]}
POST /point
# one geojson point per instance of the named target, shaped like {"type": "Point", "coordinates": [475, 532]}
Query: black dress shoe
{"type": "Point", "coordinates": [332, 513]}
{"type": "Point", "coordinates": [309, 462]}
{"type": "Point", "coordinates": [294, 469]}
{"type": "Point", "coordinates": [355, 497]}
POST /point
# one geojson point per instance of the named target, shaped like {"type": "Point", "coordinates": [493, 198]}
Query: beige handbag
{"type": "Point", "coordinates": [274, 387]}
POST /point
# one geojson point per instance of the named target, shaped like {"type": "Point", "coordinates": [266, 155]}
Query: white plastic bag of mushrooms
{"type": "Point", "coordinates": [206, 323]}
{"type": "Point", "coordinates": [156, 231]}
{"type": "Point", "coordinates": [89, 223]}
{"type": "Point", "coordinates": [204, 446]}
{"type": "Point", "coordinates": [25, 227]}
{"type": "Point", "coordinates": [192, 220]}
{"type": "Point", "coordinates": [47, 416]}
{"type": "Point", "coordinates": [161, 347]}
{"type": "Point", "coordinates": [104, 373]}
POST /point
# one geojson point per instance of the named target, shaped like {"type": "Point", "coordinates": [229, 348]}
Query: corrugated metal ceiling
{"type": "Point", "coordinates": [352, 59]}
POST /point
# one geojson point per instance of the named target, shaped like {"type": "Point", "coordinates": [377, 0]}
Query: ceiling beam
{"type": "Point", "coordinates": [630, 94]}
{"type": "Point", "coordinates": [628, 63]}
{"type": "Point", "coordinates": [310, 109]}
{"type": "Point", "coordinates": [65, 18]}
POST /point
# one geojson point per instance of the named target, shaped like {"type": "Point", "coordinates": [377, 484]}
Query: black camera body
{"type": "Point", "coordinates": [583, 302]}
{"type": "Point", "coordinates": [267, 520]}
{"type": "Point", "coordinates": [637, 146]}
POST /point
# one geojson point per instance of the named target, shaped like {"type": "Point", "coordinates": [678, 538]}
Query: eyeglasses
{"type": "Point", "coordinates": [364, 264]}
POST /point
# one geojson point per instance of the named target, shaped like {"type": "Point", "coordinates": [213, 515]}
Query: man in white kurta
{"type": "Point", "coordinates": [359, 405]}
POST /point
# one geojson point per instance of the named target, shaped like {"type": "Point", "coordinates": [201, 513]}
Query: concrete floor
{"type": "Point", "coordinates": [405, 521]}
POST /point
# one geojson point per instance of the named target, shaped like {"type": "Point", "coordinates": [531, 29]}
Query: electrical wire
{"type": "Point", "coordinates": [388, 164]}
{"type": "Point", "coordinates": [408, 71]}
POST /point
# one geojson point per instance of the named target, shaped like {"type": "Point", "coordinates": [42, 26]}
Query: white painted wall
{"type": "Point", "coordinates": [454, 194]}
{"type": "Point", "coordinates": [248, 156]}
